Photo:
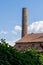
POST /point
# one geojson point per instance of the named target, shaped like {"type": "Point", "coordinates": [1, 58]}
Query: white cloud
{"type": "Point", "coordinates": [12, 43]}
{"type": "Point", "coordinates": [16, 40]}
{"type": "Point", "coordinates": [3, 32]}
{"type": "Point", "coordinates": [18, 28]}
{"type": "Point", "coordinates": [36, 27]}
{"type": "Point", "coordinates": [14, 32]}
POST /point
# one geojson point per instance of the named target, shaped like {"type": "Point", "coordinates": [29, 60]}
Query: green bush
{"type": "Point", "coordinates": [10, 56]}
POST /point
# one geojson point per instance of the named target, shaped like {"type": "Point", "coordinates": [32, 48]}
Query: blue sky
{"type": "Point", "coordinates": [11, 18]}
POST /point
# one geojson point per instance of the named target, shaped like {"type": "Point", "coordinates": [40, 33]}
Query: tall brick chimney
{"type": "Point", "coordinates": [24, 22]}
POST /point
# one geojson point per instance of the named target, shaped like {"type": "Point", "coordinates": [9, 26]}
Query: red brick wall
{"type": "Point", "coordinates": [25, 46]}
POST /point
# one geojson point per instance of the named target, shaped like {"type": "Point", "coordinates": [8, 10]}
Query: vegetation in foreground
{"type": "Point", "coordinates": [10, 56]}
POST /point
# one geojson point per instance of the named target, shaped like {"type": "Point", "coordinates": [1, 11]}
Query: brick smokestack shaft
{"type": "Point", "coordinates": [24, 22]}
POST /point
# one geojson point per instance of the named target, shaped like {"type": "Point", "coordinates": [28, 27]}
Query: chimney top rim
{"type": "Point", "coordinates": [24, 8]}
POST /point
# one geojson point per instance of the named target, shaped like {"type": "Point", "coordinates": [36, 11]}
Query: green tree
{"type": "Point", "coordinates": [10, 56]}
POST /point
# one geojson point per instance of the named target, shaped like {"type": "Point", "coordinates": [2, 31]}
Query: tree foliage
{"type": "Point", "coordinates": [10, 56]}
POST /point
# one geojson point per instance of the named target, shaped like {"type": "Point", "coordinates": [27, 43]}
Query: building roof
{"type": "Point", "coordinates": [31, 38]}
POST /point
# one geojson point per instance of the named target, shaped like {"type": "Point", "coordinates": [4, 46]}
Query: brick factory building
{"type": "Point", "coordinates": [33, 40]}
